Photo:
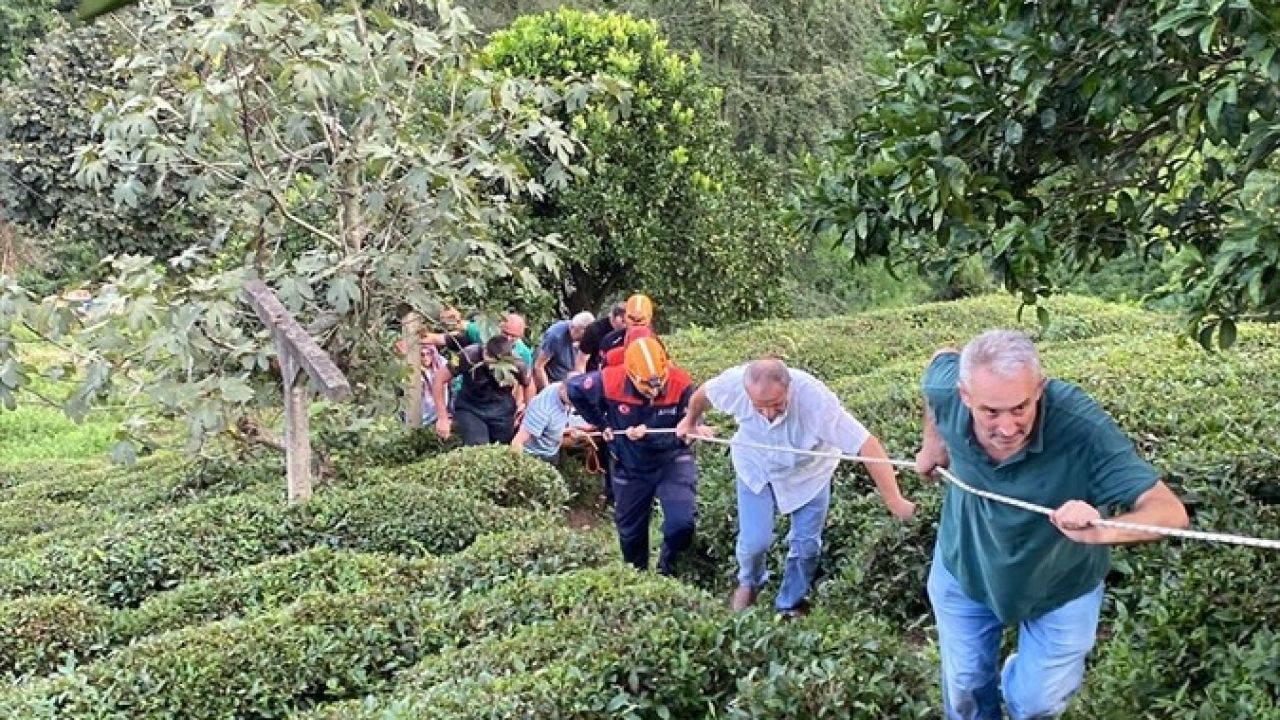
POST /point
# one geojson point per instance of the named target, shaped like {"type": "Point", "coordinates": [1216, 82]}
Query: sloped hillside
{"type": "Point", "coordinates": [432, 582]}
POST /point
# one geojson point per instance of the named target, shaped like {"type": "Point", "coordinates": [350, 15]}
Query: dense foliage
{"type": "Point", "coordinates": [446, 580]}
{"type": "Point", "coordinates": [661, 202]}
{"type": "Point", "coordinates": [46, 118]}
{"type": "Point", "coordinates": [1067, 133]}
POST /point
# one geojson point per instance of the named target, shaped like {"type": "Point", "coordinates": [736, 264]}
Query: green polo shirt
{"type": "Point", "coordinates": [1011, 560]}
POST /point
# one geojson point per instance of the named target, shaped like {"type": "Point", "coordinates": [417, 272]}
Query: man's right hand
{"type": "Point", "coordinates": [685, 428]}
{"type": "Point", "coordinates": [443, 427]}
{"type": "Point", "coordinates": [928, 460]}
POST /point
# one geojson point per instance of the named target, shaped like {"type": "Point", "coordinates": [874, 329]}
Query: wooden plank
{"type": "Point", "coordinates": [297, 439]}
{"type": "Point", "coordinates": [411, 324]}
{"type": "Point", "coordinates": [310, 356]}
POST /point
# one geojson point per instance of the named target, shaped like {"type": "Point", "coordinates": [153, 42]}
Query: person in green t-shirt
{"type": "Point", "coordinates": [998, 424]}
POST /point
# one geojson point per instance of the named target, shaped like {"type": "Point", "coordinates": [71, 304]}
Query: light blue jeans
{"type": "Point", "coordinates": [1037, 682]}
{"type": "Point", "coordinates": [755, 534]}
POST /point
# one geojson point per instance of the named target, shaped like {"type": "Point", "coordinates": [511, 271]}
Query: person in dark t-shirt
{"type": "Point", "coordinates": [495, 387]}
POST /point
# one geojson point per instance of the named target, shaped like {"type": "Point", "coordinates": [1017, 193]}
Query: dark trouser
{"type": "Point", "coordinates": [484, 425]}
{"type": "Point", "coordinates": [675, 485]}
{"type": "Point", "coordinates": [606, 480]}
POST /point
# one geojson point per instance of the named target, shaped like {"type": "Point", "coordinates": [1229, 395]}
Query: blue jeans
{"type": "Point", "coordinates": [1037, 682]}
{"type": "Point", "coordinates": [755, 535]}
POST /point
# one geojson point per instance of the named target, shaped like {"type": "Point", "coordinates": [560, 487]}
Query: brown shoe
{"type": "Point", "coordinates": [795, 612]}
{"type": "Point", "coordinates": [743, 598]}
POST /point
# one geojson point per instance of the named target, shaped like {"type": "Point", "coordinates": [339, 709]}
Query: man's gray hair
{"type": "Point", "coordinates": [1003, 352]}
{"type": "Point", "coordinates": [582, 320]}
{"type": "Point", "coordinates": [767, 371]}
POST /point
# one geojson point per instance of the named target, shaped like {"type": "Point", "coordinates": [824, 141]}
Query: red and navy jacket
{"type": "Point", "coordinates": [606, 398]}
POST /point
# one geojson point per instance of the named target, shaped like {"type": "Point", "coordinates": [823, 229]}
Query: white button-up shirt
{"type": "Point", "coordinates": [814, 420]}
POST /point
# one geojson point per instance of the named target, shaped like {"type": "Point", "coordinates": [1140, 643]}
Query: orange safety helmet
{"type": "Point", "coordinates": [639, 310]}
{"type": "Point", "coordinates": [647, 366]}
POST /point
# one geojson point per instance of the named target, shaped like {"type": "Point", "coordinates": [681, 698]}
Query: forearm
{"type": "Point", "coordinates": [698, 405]}
{"type": "Point", "coordinates": [931, 443]}
{"type": "Point", "coordinates": [522, 437]}
{"type": "Point", "coordinates": [882, 473]}
{"type": "Point", "coordinates": [1157, 506]}
{"type": "Point", "coordinates": [439, 387]}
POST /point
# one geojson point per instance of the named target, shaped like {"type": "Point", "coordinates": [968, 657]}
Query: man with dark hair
{"type": "Point", "coordinates": [495, 387]}
{"type": "Point", "coordinates": [590, 352]}
{"type": "Point", "coordinates": [459, 334]}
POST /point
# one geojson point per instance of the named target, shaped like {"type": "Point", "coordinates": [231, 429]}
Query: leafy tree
{"type": "Point", "coordinates": [792, 73]}
{"type": "Point", "coordinates": [661, 204]}
{"type": "Point", "coordinates": [1039, 134]}
{"type": "Point", "coordinates": [359, 163]}
{"type": "Point", "coordinates": [46, 117]}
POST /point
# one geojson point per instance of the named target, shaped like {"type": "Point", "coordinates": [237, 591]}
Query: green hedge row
{"type": "Point", "coordinates": [142, 557]}
{"type": "Point", "coordinates": [857, 344]}
{"type": "Point", "coordinates": [45, 502]}
{"type": "Point", "coordinates": [322, 647]}
{"type": "Point", "coordinates": [666, 651]}
{"type": "Point", "coordinates": [506, 478]}
{"type": "Point", "coordinates": [39, 633]}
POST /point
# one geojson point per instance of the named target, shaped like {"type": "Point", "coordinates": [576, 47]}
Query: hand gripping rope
{"type": "Point", "coordinates": [1224, 538]}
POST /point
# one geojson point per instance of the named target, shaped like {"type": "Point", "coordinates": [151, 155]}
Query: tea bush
{"type": "Point", "coordinates": [143, 557]}
{"type": "Point", "coordinates": [323, 647]}
{"type": "Point", "coordinates": [41, 632]}
{"type": "Point", "coordinates": [507, 478]}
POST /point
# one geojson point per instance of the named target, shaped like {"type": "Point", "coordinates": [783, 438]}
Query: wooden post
{"type": "Point", "coordinates": [302, 361]}
{"type": "Point", "coordinates": [411, 325]}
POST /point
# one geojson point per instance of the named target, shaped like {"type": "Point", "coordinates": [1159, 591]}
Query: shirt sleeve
{"type": "Point", "coordinates": [941, 392]}
{"type": "Point", "coordinates": [457, 341]}
{"type": "Point", "coordinates": [586, 394]}
{"type": "Point", "coordinates": [550, 340]}
{"type": "Point", "coordinates": [538, 414]}
{"type": "Point", "coordinates": [836, 426]}
{"type": "Point", "coordinates": [725, 390]}
{"type": "Point", "coordinates": [1119, 475]}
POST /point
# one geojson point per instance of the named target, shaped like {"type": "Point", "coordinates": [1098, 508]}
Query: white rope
{"type": "Point", "coordinates": [1225, 538]}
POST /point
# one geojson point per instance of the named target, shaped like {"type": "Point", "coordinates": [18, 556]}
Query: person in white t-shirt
{"type": "Point", "coordinates": [782, 407]}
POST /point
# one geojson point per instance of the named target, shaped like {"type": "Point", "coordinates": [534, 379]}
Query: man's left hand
{"type": "Point", "coordinates": [637, 433]}
{"type": "Point", "coordinates": [1075, 520]}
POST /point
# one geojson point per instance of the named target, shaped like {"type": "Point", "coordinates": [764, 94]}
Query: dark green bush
{"type": "Point", "coordinates": [507, 478]}
{"type": "Point", "coordinates": [270, 585]}
{"type": "Point", "coordinates": [324, 647]}
{"type": "Point", "coordinates": [42, 632]}
{"type": "Point", "coordinates": [499, 557]}
{"type": "Point", "coordinates": [143, 557]}
{"type": "Point", "coordinates": [49, 497]}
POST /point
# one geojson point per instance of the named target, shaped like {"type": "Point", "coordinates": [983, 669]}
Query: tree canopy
{"type": "Point", "coordinates": [661, 204]}
{"type": "Point", "coordinates": [358, 163]}
{"type": "Point", "coordinates": [1065, 133]}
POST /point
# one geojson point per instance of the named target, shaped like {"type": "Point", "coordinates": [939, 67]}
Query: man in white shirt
{"type": "Point", "coordinates": [782, 407]}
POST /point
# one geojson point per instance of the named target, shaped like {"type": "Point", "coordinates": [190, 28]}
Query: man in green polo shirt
{"type": "Point", "coordinates": [995, 421]}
